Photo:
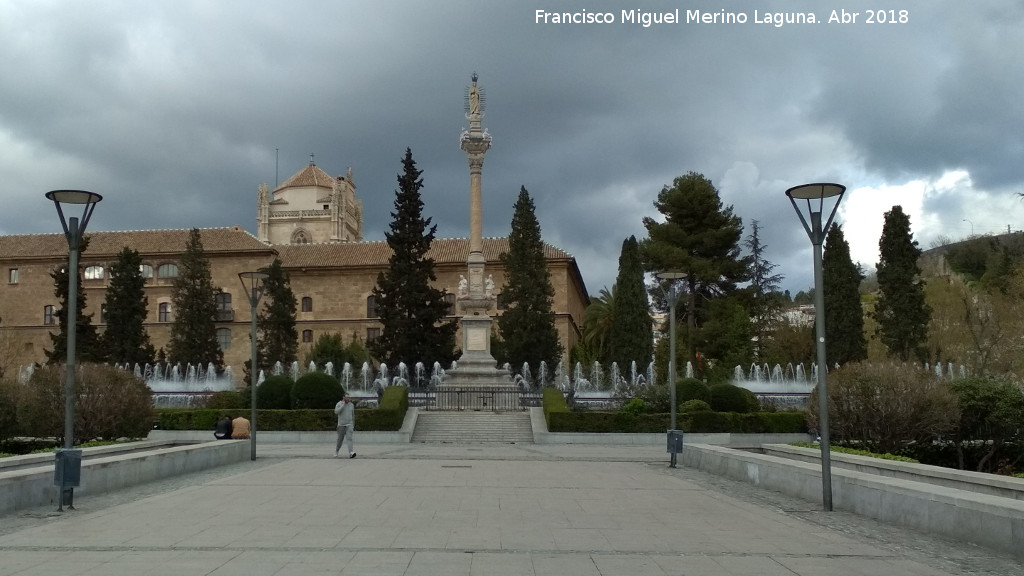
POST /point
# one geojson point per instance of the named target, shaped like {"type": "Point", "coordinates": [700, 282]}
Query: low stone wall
{"type": "Point", "coordinates": [33, 486]}
{"type": "Point", "coordinates": [979, 482]}
{"type": "Point", "coordinates": [990, 521]}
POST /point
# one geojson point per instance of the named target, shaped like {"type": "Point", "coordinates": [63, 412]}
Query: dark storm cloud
{"type": "Point", "coordinates": [176, 112]}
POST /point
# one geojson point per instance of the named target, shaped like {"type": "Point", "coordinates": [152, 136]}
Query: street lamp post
{"type": "Point", "coordinates": [252, 284]}
{"type": "Point", "coordinates": [673, 295]}
{"type": "Point", "coordinates": [814, 196]}
{"type": "Point", "coordinates": [972, 226]}
{"type": "Point", "coordinates": [68, 462]}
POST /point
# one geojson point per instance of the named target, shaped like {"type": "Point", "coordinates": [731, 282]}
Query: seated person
{"type": "Point", "coordinates": [223, 429]}
{"type": "Point", "coordinates": [239, 428]}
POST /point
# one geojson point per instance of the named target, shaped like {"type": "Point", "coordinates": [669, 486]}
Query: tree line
{"type": "Point", "coordinates": [413, 312]}
{"type": "Point", "coordinates": [731, 310]}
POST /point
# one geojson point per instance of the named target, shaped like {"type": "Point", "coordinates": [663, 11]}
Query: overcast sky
{"type": "Point", "coordinates": [176, 111]}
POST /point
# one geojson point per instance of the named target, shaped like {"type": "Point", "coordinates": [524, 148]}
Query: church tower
{"type": "Point", "coordinates": [310, 207]}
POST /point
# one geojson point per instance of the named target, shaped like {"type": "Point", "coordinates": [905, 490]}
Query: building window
{"type": "Point", "coordinates": [48, 318]}
{"type": "Point", "coordinates": [224, 338]}
{"type": "Point", "coordinates": [449, 299]}
{"type": "Point", "coordinates": [164, 312]}
{"type": "Point", "coordinates": [12, 276]}
{"type": "Point", "coordinates": [167, 271]}
{"type": "Point", "coordinates": [224, 311]}
{"type": "Point", "coordinates": [372, 334]}
{"type": "Point", "coordinates": [501, 301]}
{"type": "Point", "coordinates": [94, 273]}
{"type": "Point", "coordinates": [300, 237]}
{"type": "Point", "coordinates": [307, 336]}
{"type": "Point", "coordinates": [103, 313]}
{"type": "Point", "coordinates": [307, 304]}
{"type": "Point", "coordinates": [371, 307]}
{"type": "Point", "coordinates": [146, 271]}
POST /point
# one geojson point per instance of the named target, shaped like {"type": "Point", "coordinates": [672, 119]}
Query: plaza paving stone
{"type": "Point", "coordinates": [472, 510]}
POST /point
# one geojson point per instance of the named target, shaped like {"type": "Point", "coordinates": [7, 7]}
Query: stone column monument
{"type": "Point", "coordinates": [475, 298]}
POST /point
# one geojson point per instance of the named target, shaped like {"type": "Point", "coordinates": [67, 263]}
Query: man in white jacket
{"type": "Point", "coordinates": [346, 424]}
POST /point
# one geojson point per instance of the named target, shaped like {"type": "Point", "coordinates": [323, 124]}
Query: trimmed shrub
{"type": "Point", "coordinates": [783, 422]}
{"type": "Point", "coordinates": [275, 393]}
{"type": "Point", "coordinates": [316, 390]}
{"type": "Point", "coordinates": [109, 403]}
{"type": "Point", "coordinates": [692, 389]}
{"type": "Point", "coordinates": [731, 398]}
{"type": "Point", "coordinates": [707, 422]}
{"type": "Point", "coordinates": [226, 400]}
{"type": "Point", "coordinates": [694, 406]}
{"type": "Point", "coordinates": [553, 402]}
{"type": "Point", "coordinates": [390, 413]}
{"type": "Point", "coordinates": [634, 407]}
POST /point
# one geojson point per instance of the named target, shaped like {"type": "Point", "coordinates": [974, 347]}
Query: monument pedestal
{"type": "Point", "coordinates": [476, 367]}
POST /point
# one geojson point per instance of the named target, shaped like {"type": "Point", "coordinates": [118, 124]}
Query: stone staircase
{"type": "Point", "coordinates": [470, 427]}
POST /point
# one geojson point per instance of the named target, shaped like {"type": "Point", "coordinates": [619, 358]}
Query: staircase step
{"type": "Point", "coordinates": [473, 427]}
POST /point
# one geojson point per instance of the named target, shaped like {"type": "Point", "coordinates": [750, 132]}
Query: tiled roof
{"type": "Point", "coordinates": [311, 175]}
{"type": "Point", "coordinates": [442, 250]}
{"type": "Point", "coordinates": [146, 242]}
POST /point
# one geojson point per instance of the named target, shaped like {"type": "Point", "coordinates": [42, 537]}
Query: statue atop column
{"type": "Point", "coordinates": [474, 99]}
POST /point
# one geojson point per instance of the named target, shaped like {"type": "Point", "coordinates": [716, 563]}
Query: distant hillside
{"type": "Point", "coordinates": [982, 258]}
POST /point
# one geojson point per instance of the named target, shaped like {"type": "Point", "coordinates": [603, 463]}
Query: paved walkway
{"type": "Point", "coordinates": [467, 510]}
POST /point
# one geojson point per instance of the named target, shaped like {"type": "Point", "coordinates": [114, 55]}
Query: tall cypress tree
{"type": "Point", "coordinates": [411, 310]}
{"type": "Point", "coordinates": [125, 338]}
{"type": "Point", "coordinates": [766, 302]}
{"type": "Point", "coordinates": [88, 346]}
{"type": "Point", "coordinates": [630, 337]}
{"type": "Point", "coordinates": [527, 326]}
{"type": "Point", "coordinates": [844, 316]}
{"type": "Point", "coordinates": [278, 339]}
{"type": "Point", "coordinates": [193, 300]}
{"type": "Point", "coordinates": [900, 310]}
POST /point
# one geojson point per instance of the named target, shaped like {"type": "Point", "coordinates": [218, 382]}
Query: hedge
{"type": "Point", "coordinates": [554, 403]}
{"type": "Point", "coordinates": [703, 422]}
{"type": "Point", "coordinates": [388, 416]}
{"type": "Point", "coordinates": [560, 419]}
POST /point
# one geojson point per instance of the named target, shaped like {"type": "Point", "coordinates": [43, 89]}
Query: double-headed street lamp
{"type": "Point", "coordinates": [673, 295]}
{"type": "Point", "coordinates": [252, 285]}
{"type": "Point", "coordinates": [813, 198]}
{"type": "Point", "coordinates": [68, 462]}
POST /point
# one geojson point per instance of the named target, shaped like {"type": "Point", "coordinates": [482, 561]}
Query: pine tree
{"type": "Point", "coordinates": [411, 310]}
{"type": "Point", "coordinates": [631, 336]}
{"type": "Point", "coordinates": [700, 238]}
{"type": "Point", "coordinates": [88, 346]}
{"type": "Point", "coordinates": [900, 310]}
{"type": "Point", "coordinates": [766, 303]}
{"type": "Point", "coordinates": [277, 339]}
{"type": "Point", "coordinates": [527, 326]}
{"type": "Point", "coordinates": [844, 316]}
{"type": "Point", "coordinates": [193, 301]}
{"type": "Point", "coordinates": [125, 338]}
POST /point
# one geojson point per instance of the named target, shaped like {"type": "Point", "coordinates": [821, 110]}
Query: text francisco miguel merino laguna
{"type": "Point", "coordinates": [646, 19]}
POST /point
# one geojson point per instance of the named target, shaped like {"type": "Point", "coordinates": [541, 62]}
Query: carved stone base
{"type": "Point", "coordinates": [476, 367]}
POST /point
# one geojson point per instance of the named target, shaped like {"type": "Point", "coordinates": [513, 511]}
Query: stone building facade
{"type": "Point", "coordinates": [332, 272]}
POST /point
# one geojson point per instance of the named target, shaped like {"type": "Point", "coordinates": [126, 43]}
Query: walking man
{"type": "Point", "coordinates": [346, 424]}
